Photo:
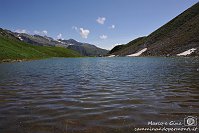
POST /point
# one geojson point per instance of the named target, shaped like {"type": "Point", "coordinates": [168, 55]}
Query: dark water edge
{"type": "Point", "coordinates": [33, 59]}
{"type": "Point", "coordinates": [96, 94]}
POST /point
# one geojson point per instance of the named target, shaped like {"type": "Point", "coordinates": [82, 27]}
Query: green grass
{"type": "Point", "coordinates": [119, 49]}
{"type": "Point", "coordinates": [176, 36]}
{"type": "Point", "coordinates": [11, 48]}
{"type": "Point", "coordinates": [177, 23]}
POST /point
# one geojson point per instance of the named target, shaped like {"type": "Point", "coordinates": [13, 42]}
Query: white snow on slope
{"type": "Point", "coordinates": [188, 52]}
{"type": "Point", "coordinates": [138, 53]}
{"type": "Point", "coordinates": [61, 42]}
{"type": "Point", "coordinates": [20, 38]}
{"type": "Point", "coordinates": [111, 56]}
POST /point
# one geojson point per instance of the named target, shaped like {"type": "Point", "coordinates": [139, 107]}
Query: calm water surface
{"type": "Point", "coordinates": [101, 95]}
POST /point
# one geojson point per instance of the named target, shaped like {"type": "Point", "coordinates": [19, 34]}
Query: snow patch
{"type": "Point", "coordinates": [61, 42]}
{"type": "Point", "coordinates": [20, 38]}
{"type": "Point", "coordinates": [188, 52]}
{"type": "Point", "coordinates": [138, 53]}
{"type": "Point", "coordinates": [111, 56]}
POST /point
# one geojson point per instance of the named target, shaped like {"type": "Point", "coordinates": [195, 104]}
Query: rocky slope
{"type": "Point", "coordinates": [84, 49]}
{"type": "Point", "coordinates": [12, 48]}
{"type": "Point", "coordinates": [175, 37]}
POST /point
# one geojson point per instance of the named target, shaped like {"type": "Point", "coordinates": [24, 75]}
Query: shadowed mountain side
{"type": "Point", "coordinates": [177, 36]}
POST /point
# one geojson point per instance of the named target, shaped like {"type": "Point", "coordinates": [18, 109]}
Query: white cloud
{"type": "Point", "coordinates": [84, 32]}
{"type": "Point", "coordinates": [101, 20]}
{"type": "Point", "coordinates": [36, 32]}
{"type": "Point", "coordinates": [21, 31]}
{"type": "Point", "coordinates": [103, 37]}
{"type": "Point", "coordinates": [44, 32]}
{"type": "Point", "coordinates": [74, 28]}
{"type": "Point", "coordinates": [112, 26]}
{"type": "Point", "coordinates": [115, 45]}
{"type": "Point", "coordinates": [59, 36]}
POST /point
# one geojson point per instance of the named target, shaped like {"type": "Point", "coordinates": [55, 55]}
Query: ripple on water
{"type": "Point", "coordinates": [96, 94]}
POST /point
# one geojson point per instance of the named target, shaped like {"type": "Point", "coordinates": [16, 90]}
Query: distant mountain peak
{"type": "Point", "coordinates": [71, 41]}
{"type": "Point", "coordinates": [84, 49]}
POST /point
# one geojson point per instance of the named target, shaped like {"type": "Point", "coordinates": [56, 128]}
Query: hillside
{"type": "Point", "coordinates": [37, 40]}
{"type": "Point", "coordinates": [177, 36]}
{"type": "Point", "coordinates": [128, 48]}
{"type": "Point", "coordinates": [13, 49]}
{"type": "Point", "coordinates": [84, 49]}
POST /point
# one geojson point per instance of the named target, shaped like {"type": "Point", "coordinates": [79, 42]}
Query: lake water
{"type": "Point", "coordinates": [101, 95]}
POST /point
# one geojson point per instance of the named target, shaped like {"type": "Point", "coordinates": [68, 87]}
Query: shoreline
{"type": "Point", "coordinates": [22, 60]}
{"type": "Point", "coordinates": [14, 60]}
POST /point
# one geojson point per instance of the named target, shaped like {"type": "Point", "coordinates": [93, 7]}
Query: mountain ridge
{"type": "Point", "coordinates": [13, 49]}
{"type": "Point", "coordinates": [85, 49]}
{"type": "Point", "coordinates": [178, 35]}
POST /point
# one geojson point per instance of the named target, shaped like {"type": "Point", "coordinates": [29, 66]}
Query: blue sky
{"type": "Point", "coordinates": [100, 22]}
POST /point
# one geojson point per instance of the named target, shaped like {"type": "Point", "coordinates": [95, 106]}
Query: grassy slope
{"type": "Point", "coordinates": [11, 48]}
{"type": "Point", "coordinates": [88, 50]}
{"type": "Point", "coordinates": [178, 35]}
{"type": "Point", "coordinates": [129, 47]}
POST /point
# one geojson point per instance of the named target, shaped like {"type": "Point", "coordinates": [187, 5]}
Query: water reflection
{"type": "Point", "coordinates": [96, 94]}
